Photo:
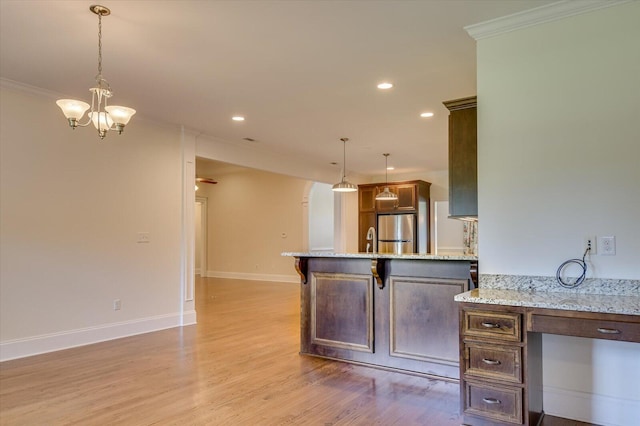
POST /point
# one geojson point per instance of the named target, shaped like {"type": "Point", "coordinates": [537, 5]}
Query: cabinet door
{"type": "Point", "coordinates": [406, 202]}
{"type": "Point", "coordinates": [367, 198]}
{"type": "Point", "coordinates": [463, 168]}
{"type": "Point", "coordinates": [407, 197]}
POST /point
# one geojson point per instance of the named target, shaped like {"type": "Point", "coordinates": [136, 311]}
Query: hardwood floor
{"type": "Point", "coordinates": [239, 366]}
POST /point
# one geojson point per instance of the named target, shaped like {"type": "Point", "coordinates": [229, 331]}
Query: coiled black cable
{"type": "Point", "coordinates": [578, 262]}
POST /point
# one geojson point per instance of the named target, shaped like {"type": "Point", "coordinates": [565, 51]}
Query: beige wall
{"type": "Point", "coordinates": [248, 213]}
{"type": "Point", "coordinates": [558, 160]}
{"type": "Point", "coordinates": [72, 207]}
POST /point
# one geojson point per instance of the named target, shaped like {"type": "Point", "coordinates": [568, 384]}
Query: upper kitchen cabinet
{"type": "Point", "coordinates": [407, 198]}
{"type": "Point", "coordinates": [367, 198]}
{"type": "Point", "coordinates": [463, 158]}
{"type": "Point", "coordinates": [409, 194]}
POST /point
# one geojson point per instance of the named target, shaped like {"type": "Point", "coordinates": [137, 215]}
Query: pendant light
{"type": "Point", "coordinates": [104, 117]}
{"type": "Point", "coordinates": [344, 185]}
{"type": "Point", "coordinates": [386, 194]}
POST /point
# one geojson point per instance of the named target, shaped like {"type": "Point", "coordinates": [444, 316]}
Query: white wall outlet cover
{"type": "Point", "coordinates": [608, 246]}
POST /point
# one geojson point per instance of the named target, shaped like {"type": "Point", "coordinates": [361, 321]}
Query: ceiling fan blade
{"type": "Point", "coordinates": [206, 180]}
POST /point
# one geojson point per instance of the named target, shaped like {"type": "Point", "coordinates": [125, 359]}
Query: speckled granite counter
{"type": "Point", "coordinates": [601, 303]}
{"type": "Point", "coordinates": [381, 256]}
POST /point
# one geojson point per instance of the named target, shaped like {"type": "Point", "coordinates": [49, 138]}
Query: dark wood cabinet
{"type": "Point", "coordinates": [493, 364]}
{"type": "Point", "coordinates": [407, 199]}
{"type": "Point", "coordinates": [413, 197]}
{"type": "Point", "coordinates": [406, 322]}
{"type": "Point", "coordinates": [463, 157]}
{"type": "Point", "coordinates": [367, 198]}
{"type": "Point", "coordinates": [501, 356]}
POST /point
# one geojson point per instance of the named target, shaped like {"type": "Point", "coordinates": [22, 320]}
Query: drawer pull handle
{"type": "Point", "coordinates": [490, 325]}
{"type": "Point", "coordinates": [608, 331]}
{"type": "Point", "coordinates": [491, 361]}
{"type": "Point", "coordinates": [492, 401]}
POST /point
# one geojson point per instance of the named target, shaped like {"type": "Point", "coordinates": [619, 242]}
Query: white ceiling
{"type": "Point", "coordinates": [304, 73]}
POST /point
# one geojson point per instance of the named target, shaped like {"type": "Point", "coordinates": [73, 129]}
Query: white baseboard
{"type": "Point", "coordinates": [588, 407]}
{"type": "Point", "coordinates": [189, 318]}
{"type": "Point", "coordinates": [35, 345]}
{"type": "Point", "coordinates": [254, 277]}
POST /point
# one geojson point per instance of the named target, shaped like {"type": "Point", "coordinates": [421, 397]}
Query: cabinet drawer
{"type": "Point", "coordinates": [494, 402]}
{"type": "Point", "coordinates": [493, 362]}
{"type": "Point", "coordinates": [493, 325]}
{"type": "Point", "coordinates": [583, 327]}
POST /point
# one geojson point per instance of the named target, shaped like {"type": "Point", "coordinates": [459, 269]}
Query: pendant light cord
{"type": "Point", "coordinates": [386, 168]}
{"type": "Point", "coordinates": [344, 158]}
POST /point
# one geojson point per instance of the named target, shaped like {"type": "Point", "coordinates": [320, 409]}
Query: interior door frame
{"type": "Point", "coordinates": [203, 235]}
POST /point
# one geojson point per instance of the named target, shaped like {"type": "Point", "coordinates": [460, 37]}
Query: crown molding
{"type": "Point", "coordinates": [6, 83]}
{"type": "Point", "coordinates": [539, 15]}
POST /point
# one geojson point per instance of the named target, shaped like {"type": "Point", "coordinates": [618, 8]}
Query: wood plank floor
{"type": "Point", "coordinates": [239, 366]}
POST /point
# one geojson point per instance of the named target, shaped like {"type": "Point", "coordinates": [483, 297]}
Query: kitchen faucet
{"type": "Point", "coordinates": [371, 236]}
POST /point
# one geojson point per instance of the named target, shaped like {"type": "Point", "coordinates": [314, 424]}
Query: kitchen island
{"type": "Point", "coordinates": [394, 311]}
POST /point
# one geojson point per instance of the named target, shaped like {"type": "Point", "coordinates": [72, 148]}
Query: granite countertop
{"type": "Point", "coordinates": [382, 256]}
{"type": "Point", "coordinates": [603, 303]}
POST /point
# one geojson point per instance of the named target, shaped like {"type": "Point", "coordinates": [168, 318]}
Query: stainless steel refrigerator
{"type": "Point", "coordinates": [396, 233]}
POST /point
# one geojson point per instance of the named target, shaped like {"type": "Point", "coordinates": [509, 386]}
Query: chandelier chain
{"type": "Point", "coordinates": [99, 77]}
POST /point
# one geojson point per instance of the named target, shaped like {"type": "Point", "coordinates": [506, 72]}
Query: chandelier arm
{"type": "Point", "coordinates": [86, 123]}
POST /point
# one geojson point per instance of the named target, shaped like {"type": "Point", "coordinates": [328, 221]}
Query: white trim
{"type": "Point", "coordinates": [589, 407]}
{"type": "Point", "coordinates": [35, 345]}
{"type": "Point", "coordinates": [254, 277]}
{"type": "Point", "coordinates": [539, 15]}
{"type": "Point", "coordinates": [204, 233]}
{"type": "Point", "coordinates": [189, 318]}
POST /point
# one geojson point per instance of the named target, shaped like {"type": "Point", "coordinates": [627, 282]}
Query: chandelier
{"type": "Point", "coordinates": [103, 116]}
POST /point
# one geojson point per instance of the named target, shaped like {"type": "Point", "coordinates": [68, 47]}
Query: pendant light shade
{"type": "Point", "coordinates": [386, 194]}
{"type": "Point", "coordinates": [344, 185]}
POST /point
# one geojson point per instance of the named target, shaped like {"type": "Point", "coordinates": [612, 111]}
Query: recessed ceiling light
{"type": "Point", "coordinates": [237, 118]}
{"type": "Point", "coordinates": [385, 85]}
{"type": "Point", "coordinates": [426, 114]}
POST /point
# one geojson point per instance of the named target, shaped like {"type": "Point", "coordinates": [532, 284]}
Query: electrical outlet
{"type": "Point", "coordinates": [608, 246]}
{"type": "Point", "coordinates": [590, 242]}
{"type": "Point", "coordinates": [117, 304]}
